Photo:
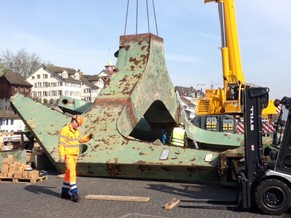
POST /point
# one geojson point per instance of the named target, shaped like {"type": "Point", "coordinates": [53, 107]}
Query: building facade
{"type": "Point", "coordinates": [50, 82]}
{"type": "Point", "coordinates": [10, 84]}
{"type": "Point", "coordinates": [189, 99]}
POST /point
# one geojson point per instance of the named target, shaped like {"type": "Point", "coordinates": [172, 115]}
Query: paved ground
{"type": "Point", "coordinates": [42, 199]}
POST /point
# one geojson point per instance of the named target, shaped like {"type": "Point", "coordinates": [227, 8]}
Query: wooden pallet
{"type": "Point", "coordinates": [14, 180]}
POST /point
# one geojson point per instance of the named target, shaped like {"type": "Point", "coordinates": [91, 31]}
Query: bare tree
{"type": "Point", "coordinates": [22, 62]}
{"type": "Point", "coordinates": [2, 68]}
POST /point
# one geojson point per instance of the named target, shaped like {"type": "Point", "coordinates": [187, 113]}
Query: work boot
{"type": "Point", "coordinates": [76, 197]}
{"type": "Point", "coordinates": [66, 195]}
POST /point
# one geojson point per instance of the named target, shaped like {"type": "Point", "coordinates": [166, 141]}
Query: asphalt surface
{"type": "Point", "coordinates": [42, 199]}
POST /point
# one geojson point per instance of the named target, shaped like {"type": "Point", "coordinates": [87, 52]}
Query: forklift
{"type": "Point", "coordinates": [264, 180]}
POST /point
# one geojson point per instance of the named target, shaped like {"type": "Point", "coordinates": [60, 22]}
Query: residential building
{"type": "Point", "coordinates": [10, 84]}
{"type": "Point", "coordinates": [189, 99]}
{"type": "Point", "coordinates": [50, 82]}
{"type": "Point", "coordinates": [10, 122]}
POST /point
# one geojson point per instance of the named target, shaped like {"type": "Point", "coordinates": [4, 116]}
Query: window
{"type": "Point", "coordinates": [11, 122]}
{"type": "Point", "coordinates": [77, 76]}
{"type": "Point", "coordinates": [38, 76]}
{"type": "Point", "coordinates": [44, 76]}
{"type": "Point", "coordinates": [46, 84]}
{"type": "Point", "coordinates": [88, 90]}
{"type": "Point", "coordinates": [65, 74]}
{"type": "Point", "coordinates": [32, 77]}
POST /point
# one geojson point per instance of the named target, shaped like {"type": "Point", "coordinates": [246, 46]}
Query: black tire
{"type": "Point", "coordinates": [273, 196]}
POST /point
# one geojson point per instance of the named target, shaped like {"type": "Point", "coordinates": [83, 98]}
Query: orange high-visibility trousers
{"type": "Point", "coordinates": [70, 178]}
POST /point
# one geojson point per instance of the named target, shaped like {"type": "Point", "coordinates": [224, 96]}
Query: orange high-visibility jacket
{"type": "Point", "coordinates": [69, 140]}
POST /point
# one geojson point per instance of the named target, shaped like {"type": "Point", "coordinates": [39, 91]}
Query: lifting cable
{"type": "Point", "coordinates": [126, 17]}
{"type": "Point", "coordinates": [136, 16]}
{"type": "Point", "coordinates": [156, 23]}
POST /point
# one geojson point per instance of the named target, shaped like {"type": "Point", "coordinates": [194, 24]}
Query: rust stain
{"type": "Point", "coordinates": [113, 170]}
{"type": "Point", "coordinates": [193, 169]}
{"type": "Point", "coordinates": [127, 47]}
{"type": "Point", "coordinates": [143, 168]}
{"type": "Point", "coordinates": [134, 61]}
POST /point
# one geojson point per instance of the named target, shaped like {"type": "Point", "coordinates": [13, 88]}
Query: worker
{"type": "Point", "coordinates": [178, 136]}
{"type": "Point", "coordinates": [164, 136]}
{"type": "Point", "coordinates": [30, 144]}
{"type": "Point", "coordinates": [69, 139]}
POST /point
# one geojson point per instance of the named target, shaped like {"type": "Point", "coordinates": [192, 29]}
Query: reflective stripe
{"type": "Point", "coordinates": [71, 146]}
{"type": "Point", "coordinates": [65, 144]}
{"type": "Point", "coordinates": [73, 186]}
{"type": "Point", "coordinates": [178, 142]}
{"type": "Point", "coordinates": [67, 139]}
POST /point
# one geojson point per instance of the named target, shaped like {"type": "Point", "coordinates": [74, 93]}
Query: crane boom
{"type": "Point", "coordinates": [231, 42]}
{"type": "Point", "coordinates": [228, 100]}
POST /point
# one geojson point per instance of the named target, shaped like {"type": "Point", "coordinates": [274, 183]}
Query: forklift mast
{"type": "Point", "coordinates": [283, 134]}
{"type": "Point", "coordinates": [255, 100]}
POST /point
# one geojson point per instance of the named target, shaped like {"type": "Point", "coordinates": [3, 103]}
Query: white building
{"type": "Point", "coordinates": [10, 122]}
{"type": "Point", "coordinates": [50, 82]}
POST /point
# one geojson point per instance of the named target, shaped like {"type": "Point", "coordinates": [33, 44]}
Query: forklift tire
{"type": "Point", "coordinates": [273, 196]}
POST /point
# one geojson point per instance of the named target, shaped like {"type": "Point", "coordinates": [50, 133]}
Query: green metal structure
{"type": "Point", "coordinates": [127, 119]}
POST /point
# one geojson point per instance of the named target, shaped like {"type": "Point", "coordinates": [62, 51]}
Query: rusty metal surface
{"type": "Point", "coordinates": [127, 118]}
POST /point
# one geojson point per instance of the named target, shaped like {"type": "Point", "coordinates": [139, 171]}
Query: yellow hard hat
{"type": "Point", "coordinates": [78, 119]}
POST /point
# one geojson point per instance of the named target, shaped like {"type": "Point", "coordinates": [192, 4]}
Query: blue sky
{"type": "Point", "coordinates": [80, 34]}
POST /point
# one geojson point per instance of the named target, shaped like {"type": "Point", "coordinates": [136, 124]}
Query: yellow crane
{"type": "Point", "coordinates": [228, 100]}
